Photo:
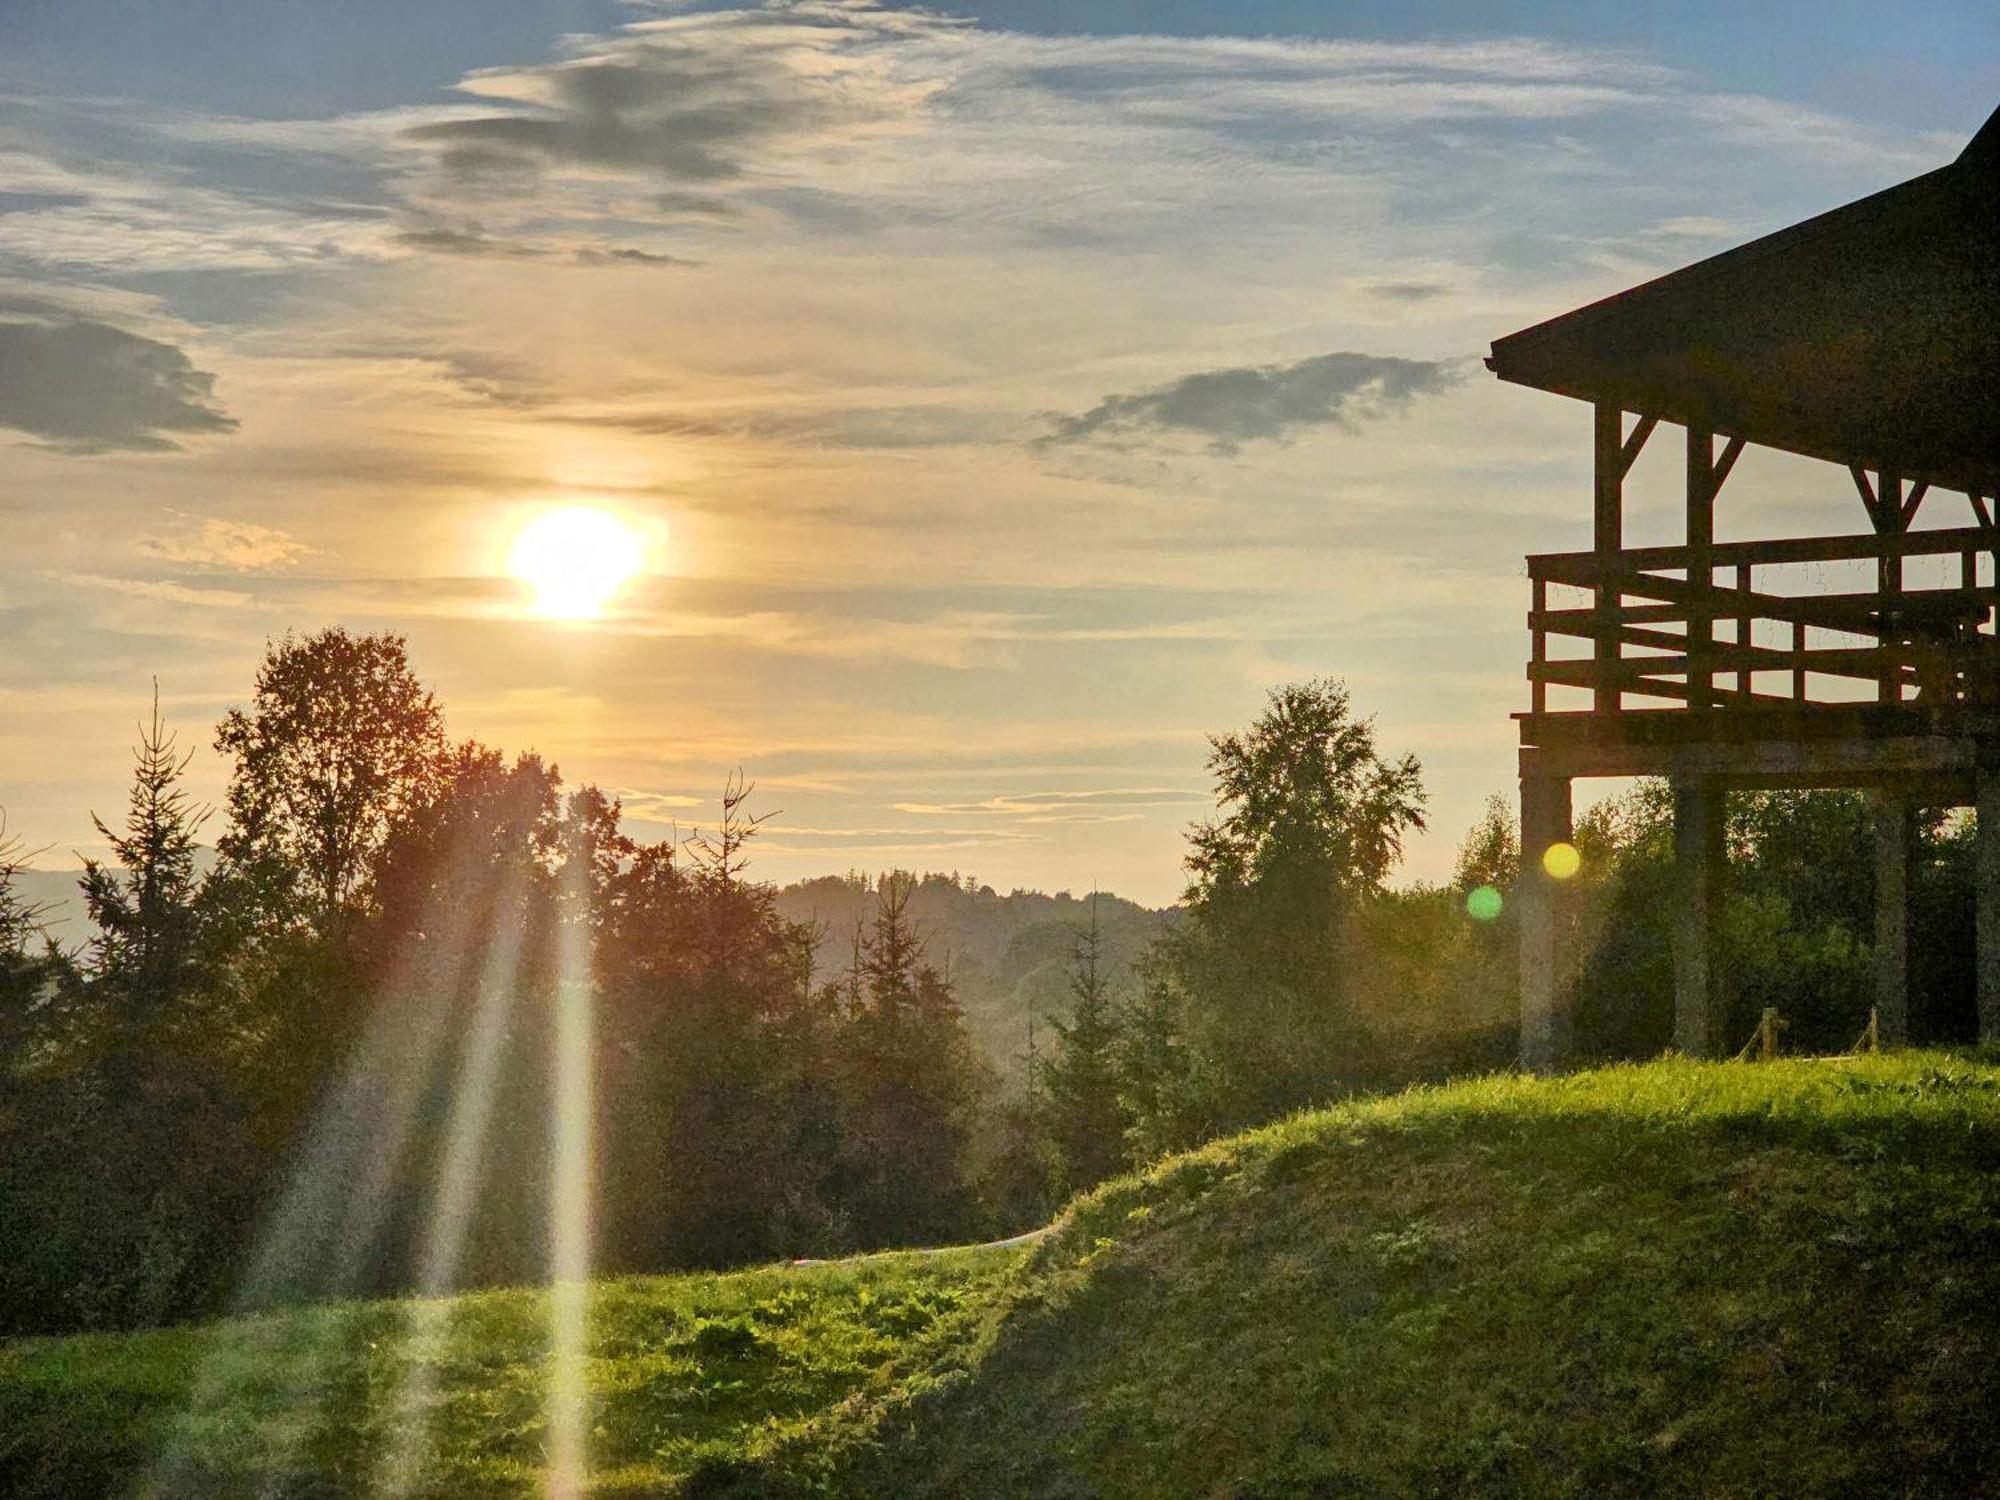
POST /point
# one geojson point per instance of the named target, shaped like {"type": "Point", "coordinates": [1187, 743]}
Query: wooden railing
{"type": "Point", "coordinates": [1654, 618]}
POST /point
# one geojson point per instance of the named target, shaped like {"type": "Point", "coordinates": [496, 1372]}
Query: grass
{"type": "Point", "coordinates": [1677, 1279]}
{"type": "Point", "coordinates": [1670, 1280]}
{"type": "Point", "coordinates": [688, 1374]}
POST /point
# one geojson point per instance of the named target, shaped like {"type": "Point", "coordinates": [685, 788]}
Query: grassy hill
{"type": "Point", "coordinates": [1676, 1279]}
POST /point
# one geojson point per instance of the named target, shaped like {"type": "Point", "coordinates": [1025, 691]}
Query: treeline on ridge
{"type": "Point", "coordinates": [326, 1065]}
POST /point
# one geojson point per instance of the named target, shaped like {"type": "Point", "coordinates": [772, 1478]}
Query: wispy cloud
{"type": "Point", "coordinates": [164, 591]}
{"type": "Point", "coordinates": [215, 543]}
{"type": "Point", "coordinates": [469, 237]}
{"type": "Point", "coordinates": [694, 99]}
{"type": "Point", "coordinates": [1269, 403]}
{"type": "Point", "coordinates": [1117, 804]}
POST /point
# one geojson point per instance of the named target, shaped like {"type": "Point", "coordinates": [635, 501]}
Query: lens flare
{"type": "Point", "coordinates": [1561, 861]}
{"type": "Point", "coordinates": [1483, 903]}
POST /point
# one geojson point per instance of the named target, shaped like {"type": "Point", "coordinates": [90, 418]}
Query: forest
{"type": "Point", "coordinates": [305, 1047]}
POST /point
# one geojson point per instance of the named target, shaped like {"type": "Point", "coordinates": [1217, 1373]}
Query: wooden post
{"type": "Point", "coordinates": [1700, 537]}
{"type": "Point", "coordinates": [1889, 583]}
{"type": "Point", "coordinates": [1607, 537]}
{"type": "Point", "coordinates": [1545, 820]}
{"type": "Point", "coordinates": [1893, 827]}
{"type": "Point", "coordinates": [1699, 863]}
{"type": "Point", "coordinates": [1767, 1034]}
{"type": "Point", "coordinates": [1538, 652]}
{"type": "Point", "coordinates": [1986, 895]}
{"type": "Point", "coordinates": [1746, 679]}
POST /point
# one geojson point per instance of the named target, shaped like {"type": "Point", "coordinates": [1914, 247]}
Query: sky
{"type": "Point", "coordinates": [1005, 398]}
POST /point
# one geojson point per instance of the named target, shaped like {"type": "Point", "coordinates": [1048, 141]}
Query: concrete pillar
{"type": "Point", "coordinates": [1986, 881]}
{"type": "Point", "coordinates": [1545, 820]}
{"type": "Point", "coordinates": [1700, 857]}
{"type": "Point", "coordinates": [1894, 834]}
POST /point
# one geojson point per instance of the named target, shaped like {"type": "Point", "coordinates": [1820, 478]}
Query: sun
{"type": "Point", "coordinates": [575, 559]}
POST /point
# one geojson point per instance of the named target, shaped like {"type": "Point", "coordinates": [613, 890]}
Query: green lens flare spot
{"type": "Point", "coordinates": [1483, 903]}
{"type": "Point", "coordinates": [1561, 861]}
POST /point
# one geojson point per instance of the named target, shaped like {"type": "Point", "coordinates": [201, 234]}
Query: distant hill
{"type": "Point", "coordinates": [1009, 956]}
{"type": "Point", "coordinates": [61, 903]}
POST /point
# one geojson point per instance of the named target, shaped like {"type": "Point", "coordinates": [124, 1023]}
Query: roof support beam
{"type": "Point", "coordinates": [1866, 487]}
{"type": "Point", "coordinates": [1635, 443]}
{"type": "Point", "coordinates": [1608, 466]}
{"type": "Point", "coordinates": [1731, 451]}
{"type": "Point", "coordinates": [1891, 515]}
{"type": "Point", "coordinates": [1701, 487]}
{"type": "Point", "coordinates": [1911, 501]}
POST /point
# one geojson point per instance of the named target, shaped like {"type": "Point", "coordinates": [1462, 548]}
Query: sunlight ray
{"type": "Point", "coordinates": [338, 1193]}
{"type": "Point", "coordinates": [460, 1173]}
{"type": "Point", "coordinates": [570, 1172]}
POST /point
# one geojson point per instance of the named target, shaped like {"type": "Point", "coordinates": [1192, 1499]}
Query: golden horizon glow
{"type": "Point", "coordinates": [576, 559]}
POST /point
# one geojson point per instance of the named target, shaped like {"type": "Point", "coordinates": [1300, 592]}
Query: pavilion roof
{"type": "Point", "coordinates": [1868, 335]}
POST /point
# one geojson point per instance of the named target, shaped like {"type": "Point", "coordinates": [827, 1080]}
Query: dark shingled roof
{"type": "Point", "coordinates": [1868, 335]}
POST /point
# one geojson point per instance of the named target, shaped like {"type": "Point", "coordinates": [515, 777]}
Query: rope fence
{"type": "Point", "coordinates": [1763, 1045]}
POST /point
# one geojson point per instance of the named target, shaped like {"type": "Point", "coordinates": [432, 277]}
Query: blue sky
{"type": "Point", "coordinates": [1004, 399]}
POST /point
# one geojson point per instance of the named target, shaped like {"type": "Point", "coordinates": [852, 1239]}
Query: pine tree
{"type": "Point", "coordinates": [25, 973]}
{"type": "Point", "coordinates": [1079, 1081]}
{"type": "Point", "coordinates": [909, 1085]}
{"type": "Point", "coordinates": [143, 903]}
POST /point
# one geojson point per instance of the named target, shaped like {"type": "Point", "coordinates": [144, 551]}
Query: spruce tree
{"type": "Point", "coordinates": [909, 1087]}
{"type": "Point", "coordinates": [1079, 1081]}
{"type": "Point", "coordinates": [143, 901]}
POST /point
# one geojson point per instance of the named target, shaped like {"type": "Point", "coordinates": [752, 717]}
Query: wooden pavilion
{"type": "Point", "coordinates": [1868, 337]}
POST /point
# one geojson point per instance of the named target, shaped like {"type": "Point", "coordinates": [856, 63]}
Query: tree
{"type": "Point", "coordinates": [1086, 1123]}
{"type": "Point", "coordinates": [1259, 979]}
{"type": "Point", "coordinates": [1491, 851]}
{"type": "Point", "coordinates": [909, 1088]}
{"type": "Point", "coordinates": [26, 972]}
{"type": "Point", "coordinates": [148, 943]}
{"type": "Point", "coordinates": [340, 741]}
{"type": "Point", "coordinates": [133, 1078]}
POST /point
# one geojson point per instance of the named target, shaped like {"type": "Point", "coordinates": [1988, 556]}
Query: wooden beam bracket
{"type": "Point", "coordinates": [1869, 502]}
{"type": "Point", "coordinates": [1635, 441]}
{"type": "Point", "coordinates": [1719, 471]}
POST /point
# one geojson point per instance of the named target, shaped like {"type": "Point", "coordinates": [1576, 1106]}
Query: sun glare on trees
{"type": "Point", "coordinates": [575, 559]}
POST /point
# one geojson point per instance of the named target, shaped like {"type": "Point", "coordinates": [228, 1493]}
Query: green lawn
{"type": "Point", "coordinates": [1679, 1279]}
{"type": "Point", "coordinates": [683, 1370]}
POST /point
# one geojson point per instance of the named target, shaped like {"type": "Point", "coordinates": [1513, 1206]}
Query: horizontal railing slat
{"type": "Point", "coordinates": [1583, 568]}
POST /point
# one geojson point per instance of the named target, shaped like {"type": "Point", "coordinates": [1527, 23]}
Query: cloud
{"type": "Point", "coordinates": [642, 806]}
{"type": "Point", "coordinates": [469, 237]}
{"type": "Point", "coordinates": [910, 425]}
{"type": "Point", "coordinates": [82, 386]}
{"type": "Point", "coordinates": [1251, 403]}
{"type": "Point", "coordinates": [1110, 805]}
{"type": "Point", "coordinates": [1408, 291]}
{"type": "Point", "coordinates": [239, 545]}
{"type": "Point", "coordinates": [686, 100]}
{"type": "Point", "coordinates": [163, 592]}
